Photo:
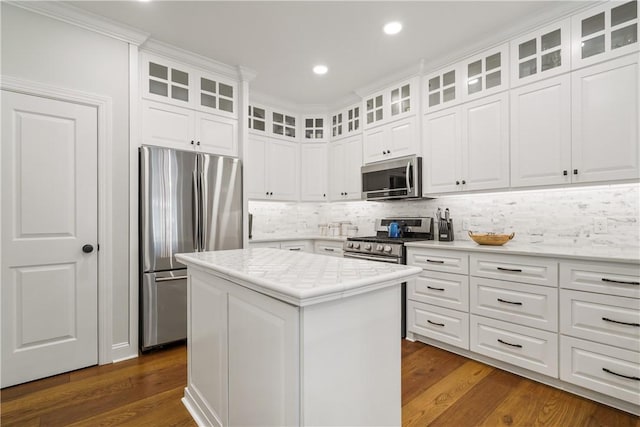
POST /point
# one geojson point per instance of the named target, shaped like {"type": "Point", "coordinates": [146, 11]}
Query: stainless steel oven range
{"type": "Point", "coordinates": [383, 248]}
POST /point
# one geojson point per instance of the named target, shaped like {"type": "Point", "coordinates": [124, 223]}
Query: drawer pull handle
{"type": "Point", "coordinates": [509, 302]}
{"type": "Point", "coordinates": [435, 323]}
{"type": "Point", "coordinates": [620, 281]}
{"type": "Point", "coordinates": [435, 289]}
{"type": "Point", "coordinates": [329, 249]}
{"type": "Point", "coordinates": [435, 261]}
{"type": "Point", "coordinates": [513, 270]}
{"type": "Point", "coordinates": [622, 323]}
{"type": "Point", "coordinates": [608, 371]}
{"type": "Point", "coordinates": [509, 344]}
{"type": "Point", "coordinates": [295, 249]}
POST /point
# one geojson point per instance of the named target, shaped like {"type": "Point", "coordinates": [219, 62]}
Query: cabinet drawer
{"type": "Point", "coordinates": [605, 278]}
{"type": "Point", "coordinates": [528, 305]}
{"type": "Point", "coordinates": [442, 324]}
{"type": "Point", "coordinates": [434, 260]}
{"type": "Point", "coordinates": [328, 248]}
{"type": "Point", "coordinates": [529, 348]}
{"type": "Point", "coordinates": [607, 319]}
{"type": "Point", "coordinates": [296, 245]}
{"type": "Point", "coordinates": [441, 289]}
{"type": "Point", "coordinates": [595, 367]}
{"type": "Point", "coordinates": [537, 271]}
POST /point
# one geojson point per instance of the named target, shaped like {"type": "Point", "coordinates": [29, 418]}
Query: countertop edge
{"type": "Point", "coordinates": [263, 239]}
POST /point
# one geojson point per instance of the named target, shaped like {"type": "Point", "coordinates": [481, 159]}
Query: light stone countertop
{"type": "Point", "coordinates": [299, 278]}
{"type": "Point", "coordinates": [275, 238]}
{"type": "Point", "coordinates": [603, 253]}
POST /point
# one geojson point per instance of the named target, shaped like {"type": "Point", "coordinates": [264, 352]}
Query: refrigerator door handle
{"type": "Point", "coordinates": [202, 227]}
{"type": "Point", "coordinates": [195, 204]}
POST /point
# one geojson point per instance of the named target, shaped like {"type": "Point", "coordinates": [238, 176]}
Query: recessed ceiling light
{"type": "Point", "coordinates": [393, 28]}
{"type": "Point", "coordinates": [320, 69]}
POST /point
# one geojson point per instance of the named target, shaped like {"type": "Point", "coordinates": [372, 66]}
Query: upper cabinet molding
{"type": "Point", "coordinates": [81, 18]}
{"type": "Point", "coordinates": [391, 80]}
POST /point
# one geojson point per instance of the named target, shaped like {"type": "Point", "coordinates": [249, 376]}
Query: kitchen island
{"type": "Point", "coordinates": [288, 338]}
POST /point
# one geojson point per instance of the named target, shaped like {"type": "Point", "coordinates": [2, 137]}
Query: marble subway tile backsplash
{"type": "Point", "coordinates": [585, 216]}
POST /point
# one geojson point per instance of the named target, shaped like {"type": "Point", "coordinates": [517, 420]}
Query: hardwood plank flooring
{"type": "Point", "coordinates": [438, 389]}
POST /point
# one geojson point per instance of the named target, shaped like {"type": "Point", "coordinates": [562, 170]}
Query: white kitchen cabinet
{"type": "Point", "coordinates": [185, 129]}
{"type": "Point", "coordinates": [486, 73]}
{"type": "Point", "coordinates": [392, 140]}
{"type": "Point", "coordinates": [394, 102]}
{"type": "Point", "coordinates": [257, 119]}
{"type": "Point", "coordinates": [347, 121]}
{"type": "Point", "coordinates": [314, 181]}
{"type": "Point", "coordinates": [541, 133]}
{"type": "Point", "coordinates": [467, 147]}
{"type": "Point", "coordinates": [441, 89]}
{"type": "Point", "coordinates": [178, 84]}
{"type": "Point", "coordinates": [273, 169]}
{"type": "Point", "coordinates": [328, 247]}
{"type": "Point", "coordinates": [441, 324]}
{"type": "Point", "coordinates": [283, 125]}
{"type": "Point", "coordinates": [604, 32]}
{"type": "Point", "coordinates": [297, 245]}
{"type": "Point", "coordinates": [540, 54]}
{"type": "Point", "coordinates": [345, 161]}
{"type": "Point", "coordinates": [605, 113]}
{"type": "Point", "coordinates": [314, 128]}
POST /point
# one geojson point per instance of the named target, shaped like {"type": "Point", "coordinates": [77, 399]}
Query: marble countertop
{"type": "Point", "coordinates": [604, 253]}
{"type": "Point", "coordinates": [276, 238]}
{"type": "Point", "coordinates": [299, 278]}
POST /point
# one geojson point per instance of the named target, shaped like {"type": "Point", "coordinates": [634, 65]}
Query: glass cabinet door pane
{"type": "Point", "coordinates": [369, 118]}
{"type": "Point", "coordinates": [434, 99]}
{"type": "Point", "coordinates": [278, 118]}
{"type": "Point", "coordinates": [395, 109]}
{"type": "Point", "coordinates": [159, 71]}
{"type": "Point", "coordinates": [527, 49]}
{"type": "Point", "coordinates": [434, 83]}
{"type": "Point", "coordinates": [289, 120]}
{"type": "Point", "coordinates": [340, 118]}
{"type": "Point", "coordinates": [624, 36]}
{"type": "Point", "coordinates": [528, 68]}
{"type": "Point", "coordinates": [258, 112]}
{"type": "Point", "coordinates": [225, 105]}
{"type": "Point", "coordinates": [319, 123]}
{"type": "Point", "coordinates": [356, 112]}
{"type": "Point", "coordinates": [207, 85]}
{"type": "Point", "coordinates": [551, 60]}
{"type": "Point", "coordinates": [319, 133]}
{"type": "Point", "coordinates": [395, 95]}
{"type": "Point", "coordinates": [494, 79]}
{"type": "Point", "coordinates": [405, 91]}
{"type": "Point", "coordinates": [550, 40]}
{"type": "Point", "coordinates": [378, 115]}
{"type": "Point", "coordinates": [593, 46]}
{"type": "Point", "coordinates": [278, 129]}
{"type": "Point", "coordinates": [350, 114]}
{"type": "Point", "coordinates": [369, 104]}
{"type": "Point", "coordinates": [226, 90]}
{"type": "Point", "coordinates": [449, 78]}
{"type": "Point", "coordinates": [356, 124]}
{"type": "Point", "coordinates": [624, 13]}
{"type": "Point", "coordinates": [379, 101]}
{"type": "Point", "coordinates": [406, 106]}
{"type": "Point", "coordinates": [308, 123]}
{"type": "Point", "coordinates": [178, 76]}
{"type": "Point", "coordinates": [308, 134]}
{"type": "Point", "coordinates": [207, 100]}
{"type": "Point", "coordinates": [474, 68]}
{"type": "Point", "coordinates": [180, 93]}
{"type": "Point", "coordinates": [474, 85]}
{"type": "Point", "coordinates": [492, 62]}
{"type": "Point", "coordinates": [258, 125]}
{"type": "Point", "coordinates": [449, 94]}
{"type": "Point", "coordinates": [158, 88]}
{"type": "Point", "coordinates": [592, 25]}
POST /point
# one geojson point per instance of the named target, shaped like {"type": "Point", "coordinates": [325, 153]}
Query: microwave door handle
{"type": "Point", "coordinates": [408, 176]}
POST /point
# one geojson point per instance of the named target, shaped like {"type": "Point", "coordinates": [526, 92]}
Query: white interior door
{"type": "Point", "coordinates": [49, 212]}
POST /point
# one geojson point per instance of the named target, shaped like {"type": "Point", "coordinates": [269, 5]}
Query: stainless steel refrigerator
{"type": "Point", "coordinates": [189, 202]}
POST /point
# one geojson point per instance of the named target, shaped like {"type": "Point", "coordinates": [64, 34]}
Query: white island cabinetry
{"type": "Point", "coordinates": [289, 338]}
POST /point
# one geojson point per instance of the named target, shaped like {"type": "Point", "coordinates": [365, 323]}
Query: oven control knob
{"type": "Point", "coordinates": [349, 245]}
{"type": "Point", "coordinates": [356, 245]}
{"type": "Point", "coordinates": [387, 249]}
{"type": "Point", "coordinates": [379, 248]}
{"type": "Point", "coordinates": [367, 247]}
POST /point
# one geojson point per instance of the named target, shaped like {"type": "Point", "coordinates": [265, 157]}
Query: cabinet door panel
{"type": "Point", "coordinates": [216, 135]}
{"type": "Point", "coordinates": [255, 167]}
{"type": "Point", "coordinates": [403, 138]}
{"type": "Point", "coordinates": [441, 148]}
{"type": "Point", "coordinates": [375, 144]}
{"type": "Point", "coordinates": [352, 164]}
{"type": "Point", "coordinates": [485, 141]}
{"type": "Point", "coordinates": [167, 126]}
{"type": "Point", "coordinates": [541, 133]}
{"type": "Point", "coordinates": [337, 162]}
{"type": "Point", "coordinates": [605, 121]}
{"type": "Point", "coordinates": [282, 170]}
{"type": "Point", "coordinates": [313, 170]}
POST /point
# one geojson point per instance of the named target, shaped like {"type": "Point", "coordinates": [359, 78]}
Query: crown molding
{"type": "Point", "coordinates": [266, 100]}
{"type": "Point", "coordinates": [83, 19]}
{"type": "Point", "coordinates": [345, 102]}
{"type": "Point", "coordinates": [391, 79]}
{"type": "Point", "coordinates": [191, 58]}
{"type": "Point", "coordinates": [246, 74]}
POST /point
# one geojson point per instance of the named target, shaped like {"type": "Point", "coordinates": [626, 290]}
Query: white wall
{"type": "Point", "coordinates": [559, 216]}
{"type": "Point", "coordinates": [49, 51]}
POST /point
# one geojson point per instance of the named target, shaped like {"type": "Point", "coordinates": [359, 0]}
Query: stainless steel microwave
{"type": "Point", "coordinates": [399, 178]}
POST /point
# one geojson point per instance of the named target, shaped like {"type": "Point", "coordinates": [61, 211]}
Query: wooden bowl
{"type": "Point", "coordinates": [491, 238]}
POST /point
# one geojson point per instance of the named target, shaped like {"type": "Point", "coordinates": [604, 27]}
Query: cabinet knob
{"type": "Point", "coordinates": [464, 182]}
{"type": "Point", "coordinates": [384, 152]}
{"type": "Point", "coordinates": [271, 193]}
{"type": "Point", "coordinates": [324, 195]}
{"type": "Point", "coordinates": [192, 142]}
{"type": "Point", "coordinates": [564, 172]}
{"type": "Point", "coordinates": [266, 194]}
{"type": "Point", "coordinates": [575, 171]}
{"type": "Point", "coordinates": [198, 143]}
{"type": "Point", "coordinates": [457, 182]}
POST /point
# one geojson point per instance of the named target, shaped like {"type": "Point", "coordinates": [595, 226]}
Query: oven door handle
{"type": "Point", "coordinates": [408, 176]}
{"type": "Point", "coordinates": [372, 258]}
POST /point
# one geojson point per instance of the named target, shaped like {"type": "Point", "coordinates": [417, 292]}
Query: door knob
{"type": "Point", "coordinates": [87, 249]}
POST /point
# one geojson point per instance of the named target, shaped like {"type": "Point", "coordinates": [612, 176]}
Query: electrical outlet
{"type": "Point", "coordinates": [465, 224]}
{"type": "Point", "coordinates": [600, 225]}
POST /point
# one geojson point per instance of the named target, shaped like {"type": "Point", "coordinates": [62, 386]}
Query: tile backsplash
{"type": "Point", "coordinates": [584, 216]}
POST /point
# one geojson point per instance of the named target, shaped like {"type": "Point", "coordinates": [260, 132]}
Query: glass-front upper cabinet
{"type": "Point", "coordinates": [283, 125]}
{"type": "Point", "coordinates": [257, 118]}
{"type": "Point", "coordinates": [347, 121]}
{"type": "Point", "coordinates": [164, 81]}
{"type": "Point", "coordinates": [353, 119]}
{"type": "Point", "coordinates": [604, 32]}
{"type": "Point", "coordinates": [374, 109]}
{"type": "Point", "coordinates": [486, 73]}
{"type": "Point", "coordinates": [400, 100]}
{"type": "Point", "coordinates": [336, 125]}
{"type": "Point", "coordinates": [216, 96]}
{"type": "Point", "coordinates": [541, 54]}
{"type": "Point", "coordinates": [314, 128]}
{"type": "Point", "coordinates": [441, 89]}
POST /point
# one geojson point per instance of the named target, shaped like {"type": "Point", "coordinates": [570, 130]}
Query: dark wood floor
{"type": "Point", "coordinates": [438, 389]}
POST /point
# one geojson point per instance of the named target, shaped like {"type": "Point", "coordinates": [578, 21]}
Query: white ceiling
{"type": "Point", "coordinates": [282, 41]}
